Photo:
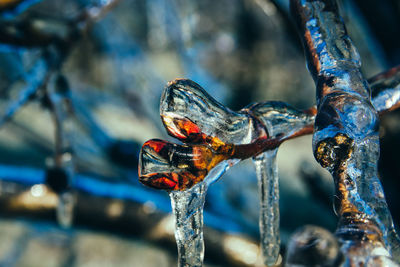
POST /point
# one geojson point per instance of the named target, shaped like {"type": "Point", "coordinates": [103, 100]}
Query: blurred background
{"type": "Point", "coordinates": [80, 83]}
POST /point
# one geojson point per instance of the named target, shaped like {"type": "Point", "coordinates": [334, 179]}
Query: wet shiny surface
{"type": "Point", "coordinates": [346, 132]}
{"type": "Point", "coordinates": [213, 133]}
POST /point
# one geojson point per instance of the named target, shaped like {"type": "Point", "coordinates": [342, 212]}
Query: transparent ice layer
{"type": "Point", "coordinates": [346, 139]}
{"type": "Point", "coordinates": [216, 138]}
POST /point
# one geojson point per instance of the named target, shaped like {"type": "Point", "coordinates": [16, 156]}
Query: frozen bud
{"type": "Point", "coordinates": [169, 166]}
{"type": "Point", "coordinates": [190, 114]}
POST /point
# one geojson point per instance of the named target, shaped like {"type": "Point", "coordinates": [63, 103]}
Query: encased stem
{"type": "Point", "coordinates": [346, 138]}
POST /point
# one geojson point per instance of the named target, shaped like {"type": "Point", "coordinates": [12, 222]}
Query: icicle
{"type": "Point", "coordinates": [65, 209]}
{"type": "Point", "coordinates": [186, 171]}
{"type": "Point", "coordinates": [187, 207]}
{"type": "Point", "coordinates": [281, 122]}
{"type": "Point", "coordinates": [268, 184]}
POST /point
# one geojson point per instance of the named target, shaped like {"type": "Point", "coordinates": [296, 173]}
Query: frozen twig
{"type": "Point", "coordinates": [219, 138]}
{"type": "Point", "coordinates": [216, 133]}
{"type": "Point", "coordinates": [385, 90]}
{"type": "Point", "coordinates": [346, 138]}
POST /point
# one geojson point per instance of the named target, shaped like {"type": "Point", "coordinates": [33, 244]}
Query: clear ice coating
{"type": "Point", "coordinates": [187, 207]}
{"type": "Point", "coordinates": [177, 168]}
{"type": "Point", "coordinates": [216, 138]}
{"type": "Point", "coordinates": [268, 185]}
{"type": "Point", "coordinates": [190, 114]}
{"type": "Point", "coordinates": [346, 134]}
{"type": "Point", "coordinates": [281, 121]}
{"type": "Point", "coordinates": [385, 90]}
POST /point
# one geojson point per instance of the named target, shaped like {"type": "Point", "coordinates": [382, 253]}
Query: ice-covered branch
{"type": "Point", "coordinates": [346, 140]}
{"type": "Point", "coordinates": [214, 133]}
{"type": "Point", "coordinates": [385, 90]}
{"type": "Point", "coordinates": [216, 138]}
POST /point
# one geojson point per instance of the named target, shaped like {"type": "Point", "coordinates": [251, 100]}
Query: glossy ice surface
{"type": "Point", "coordinates": [187, 207]}
{"type": "Point", "coordinates": [216, 138]}
{"type": "Point", "coordinates": [176, 167]}
{"type": "Point", "coordinates": [385, 90]}
{"type": "Point", "coordinates": [345, 142]}
{"type": "Point", "coordinates": [268, 185]}
{"type": "Point", "coordinates": [212, 133]}
{"type": "Point", "coordinates": [346, 133]}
